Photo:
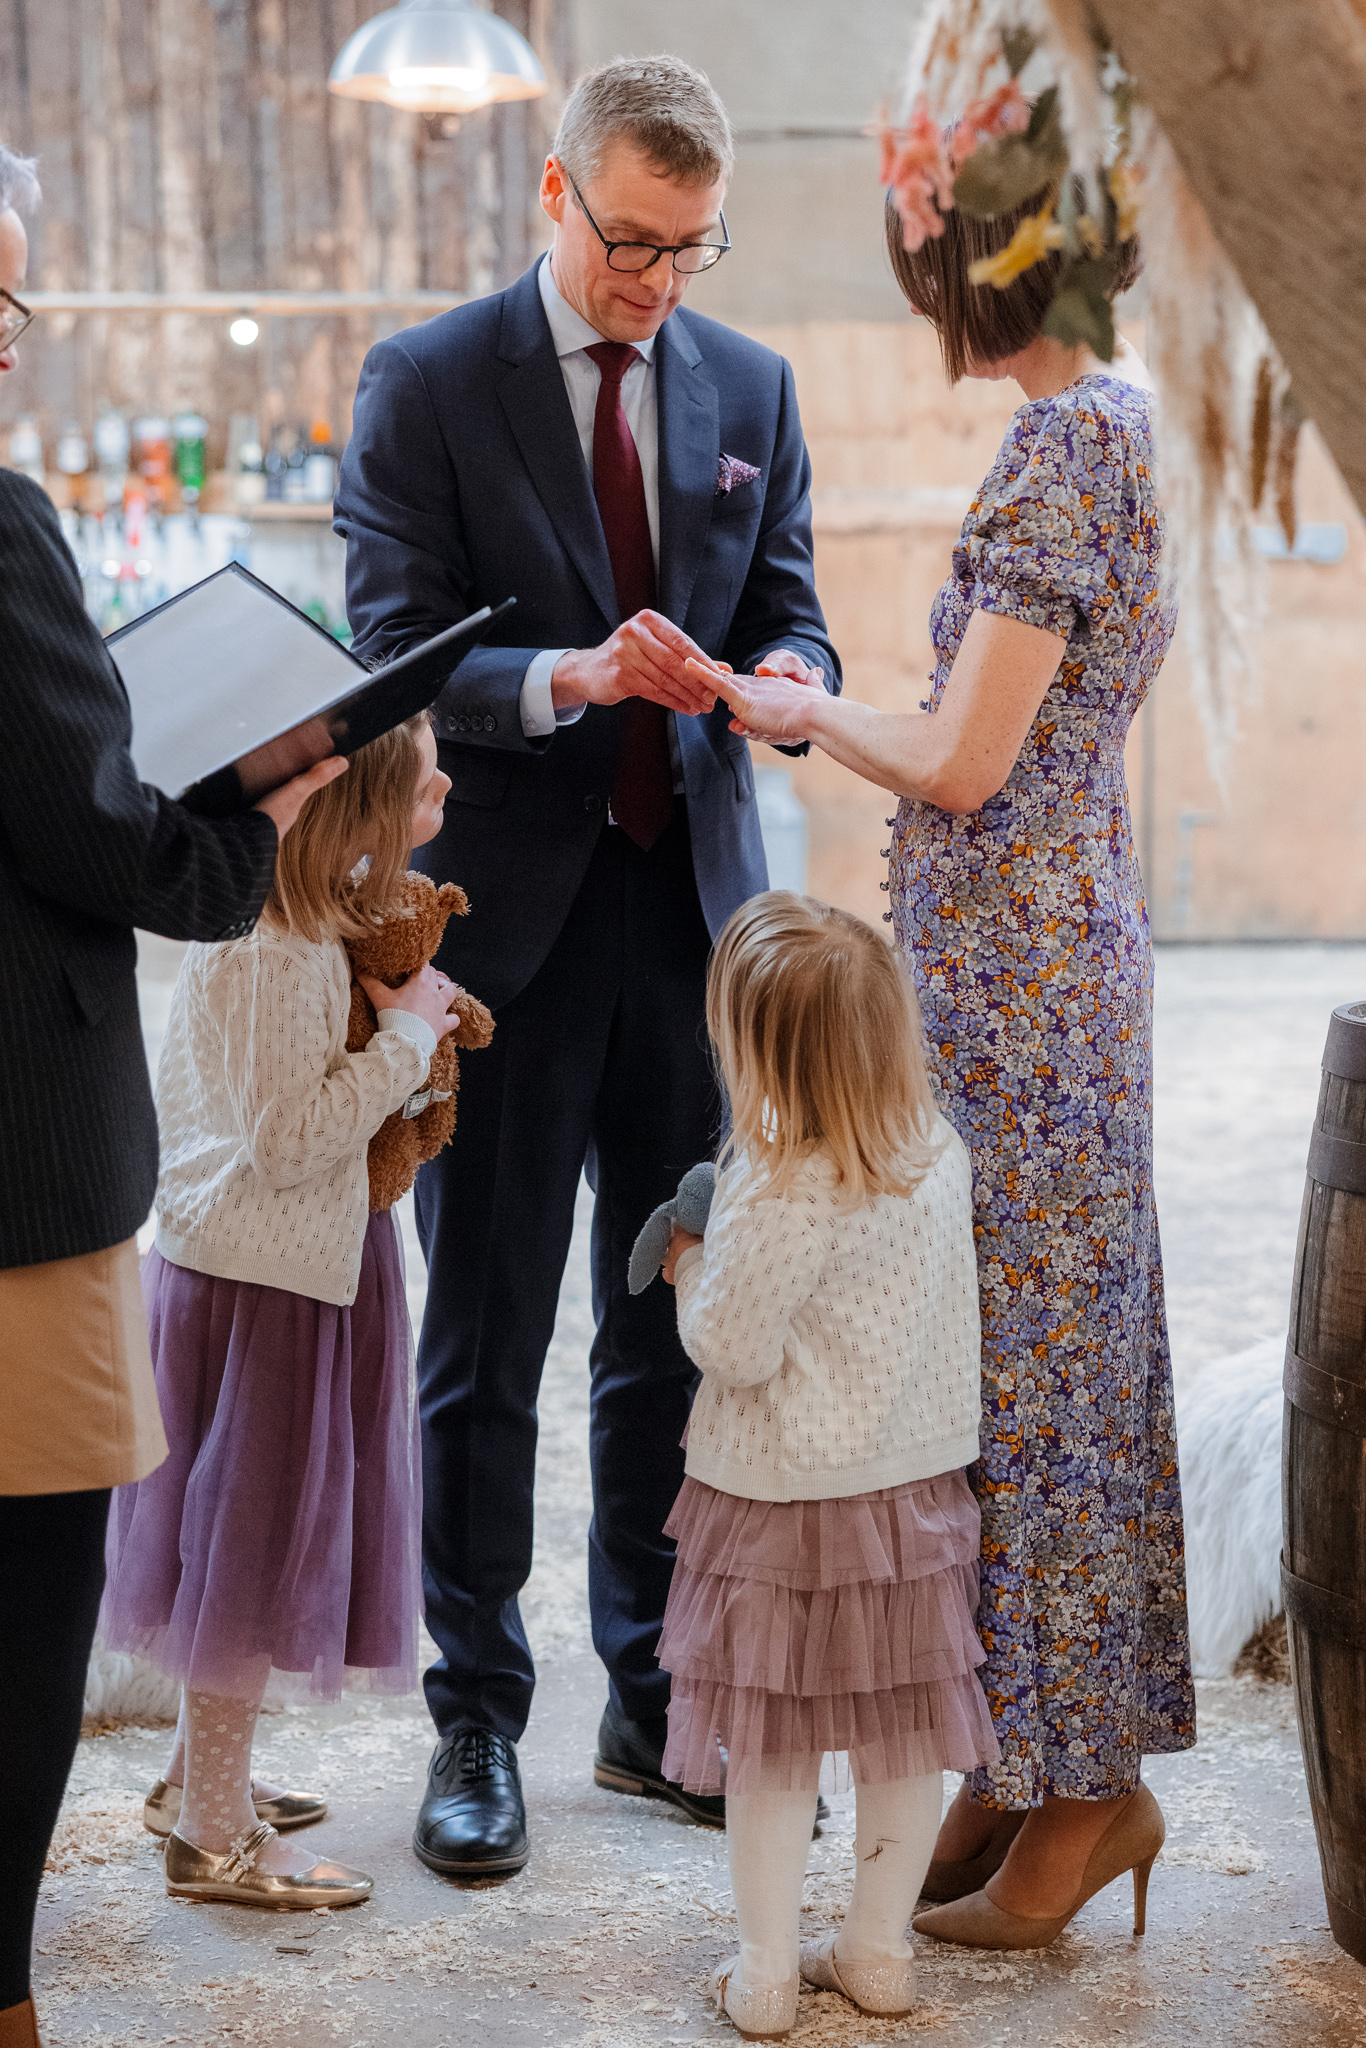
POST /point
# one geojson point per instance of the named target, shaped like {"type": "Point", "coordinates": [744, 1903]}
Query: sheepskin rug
{"type": "Point", "coordinates": [1228, 1427]}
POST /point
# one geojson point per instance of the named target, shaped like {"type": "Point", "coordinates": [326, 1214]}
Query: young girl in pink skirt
{"type": "Point", "coordinates": [283, 1529]}
{"type": "Point", "coordinates": [826, 1581]}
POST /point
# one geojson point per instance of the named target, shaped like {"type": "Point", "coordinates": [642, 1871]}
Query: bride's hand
{"type": "Point", "coordinates": [768, 706]}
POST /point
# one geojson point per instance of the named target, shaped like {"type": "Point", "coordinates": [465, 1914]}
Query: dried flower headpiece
{"type": "Point", "coordinates": [1003, 151]}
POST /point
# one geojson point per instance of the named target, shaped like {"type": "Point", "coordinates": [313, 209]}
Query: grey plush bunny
{"type": "Point", "coordinates": [689, 1209]}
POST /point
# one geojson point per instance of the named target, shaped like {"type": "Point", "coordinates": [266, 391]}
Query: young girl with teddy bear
{"type": "Point", "coordinates": [283, 1529]}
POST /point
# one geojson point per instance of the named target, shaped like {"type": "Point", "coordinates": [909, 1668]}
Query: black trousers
{"type": "Point", "coordinates": [600, 1063]}
{"type": "Point", "coordinates": [51, 1579]}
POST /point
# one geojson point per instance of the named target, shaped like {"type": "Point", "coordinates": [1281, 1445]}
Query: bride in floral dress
{"type": "Point", "coordinates": [1018, 904]}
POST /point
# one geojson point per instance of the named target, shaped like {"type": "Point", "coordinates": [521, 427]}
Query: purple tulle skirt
{"type": "Point", "coordinates": [798, 1628]}
{"type": "Point", "coordinates": [284, 1527]}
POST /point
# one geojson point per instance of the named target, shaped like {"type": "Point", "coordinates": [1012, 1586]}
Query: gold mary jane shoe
{"type": "Point", "coordinates": [887, 1989]}
{"type": "Point", "coordinates": [200, 1874]}
{"type": "Point", "coordinates": [755, 2015]}
{"type": "Point", "coordinates": [1131, 1842]}
{"type": "Point", "coordinates": [947, 1881]}
{"type": "Point", "coordinates": [161, 1808]}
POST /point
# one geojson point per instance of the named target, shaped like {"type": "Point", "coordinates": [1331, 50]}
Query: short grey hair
{"type": "Point", "coordinates": [19, 187]}
{"type": "Point", "coordinates": [660, 104]}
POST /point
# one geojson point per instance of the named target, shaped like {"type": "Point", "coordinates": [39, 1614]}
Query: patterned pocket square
{"type": "Point", "coordinates": [732, 472]}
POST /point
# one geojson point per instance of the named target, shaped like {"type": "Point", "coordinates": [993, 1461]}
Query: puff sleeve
{"type": "Point", "coordinates": [1053, 545]}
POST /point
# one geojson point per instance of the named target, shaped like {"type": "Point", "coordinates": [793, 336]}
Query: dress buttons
{"type": "Point", "coordinates": [592, 803]}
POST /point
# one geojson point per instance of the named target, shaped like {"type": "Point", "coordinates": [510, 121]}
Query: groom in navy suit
{"type": "Point", "coordinates": [636, 476]}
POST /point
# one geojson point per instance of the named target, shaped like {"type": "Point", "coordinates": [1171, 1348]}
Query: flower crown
{"type": "Point", "coordinates": [1003, 151]}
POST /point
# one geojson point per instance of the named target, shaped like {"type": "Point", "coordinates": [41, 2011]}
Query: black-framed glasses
{"type": "Point", "coordinates": [688, 257]}
{"type": "Point", "coordinates": [15, 317]}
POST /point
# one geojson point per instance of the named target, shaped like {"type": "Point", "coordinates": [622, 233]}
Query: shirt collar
{"type": "Point", "coordinates": [569, 330]}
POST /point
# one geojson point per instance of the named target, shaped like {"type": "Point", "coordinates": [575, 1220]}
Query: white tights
{"type": "Point", "coordinates": [768, 1835]}
{"type": "Point", "coordinates": [213, 1750]}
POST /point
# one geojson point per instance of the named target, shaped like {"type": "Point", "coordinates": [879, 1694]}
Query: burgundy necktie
{"type": "Point", "coordinates": [642, 788]}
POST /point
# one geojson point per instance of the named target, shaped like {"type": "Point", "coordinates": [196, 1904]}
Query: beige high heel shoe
{"type": "Point", "coordinates": [764, 2015]}
{"type": "Point", "coordinates": [1131, 1842]}
{"type": "Point", "coordinates": [886, 1989]}
{"type": "Point", "coordinates": [954, 1880]}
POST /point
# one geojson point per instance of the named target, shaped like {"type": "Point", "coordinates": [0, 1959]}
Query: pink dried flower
{"type": "Point", "coordinates": [1003, 112]}
{"type": "Point", "coordinates": [915, 166]}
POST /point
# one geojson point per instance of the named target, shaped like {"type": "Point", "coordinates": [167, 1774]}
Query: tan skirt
{"type": "Point", "coordinates": [797, 1628]}
{"type": "Point", "coordinates": [78, 1405]}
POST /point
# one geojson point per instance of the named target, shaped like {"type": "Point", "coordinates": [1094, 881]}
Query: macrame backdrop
{"type": "Point", "coordinates": [1226, 421]}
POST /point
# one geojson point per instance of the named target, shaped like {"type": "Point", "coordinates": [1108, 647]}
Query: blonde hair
{"type": "Point", "coordinates": [319, 891]}
{"type": "Point", "coordinates": [817, 1035]}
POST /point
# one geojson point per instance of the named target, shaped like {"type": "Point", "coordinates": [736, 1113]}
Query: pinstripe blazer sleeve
{"type": "Point", "coordinates": [82, 831]}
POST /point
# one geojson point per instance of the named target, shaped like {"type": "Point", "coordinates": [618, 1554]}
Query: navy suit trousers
{"type": "Point", "coordinates": [600, 1063]}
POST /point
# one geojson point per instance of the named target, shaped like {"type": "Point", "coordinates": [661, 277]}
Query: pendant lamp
{"type": "Point", "coordinates": [437, 57]}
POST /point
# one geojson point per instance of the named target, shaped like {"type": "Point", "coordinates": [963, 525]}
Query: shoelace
{"type": "Point", "coordinates": [475, 1753]}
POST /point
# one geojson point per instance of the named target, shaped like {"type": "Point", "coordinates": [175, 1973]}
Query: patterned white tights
{"type": "Point", "coordinates": [217, 1805]}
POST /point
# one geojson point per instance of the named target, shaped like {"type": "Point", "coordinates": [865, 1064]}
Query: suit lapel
{"type": "Point", "coordinates": [531, 391]}
{"type": "Point", "coordinates": [689, 455]}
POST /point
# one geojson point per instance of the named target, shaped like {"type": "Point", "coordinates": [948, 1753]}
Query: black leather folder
{"type": "Point", "coordinates": [234, 690]}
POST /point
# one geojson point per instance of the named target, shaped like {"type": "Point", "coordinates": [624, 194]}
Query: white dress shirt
{"type": "Point", "coordinates": [572, 335]}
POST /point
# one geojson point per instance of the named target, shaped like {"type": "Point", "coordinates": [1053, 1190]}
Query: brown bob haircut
{"type": "Point", "coordinates": [976, 323]}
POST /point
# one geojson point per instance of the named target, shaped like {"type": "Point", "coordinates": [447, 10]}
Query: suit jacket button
{"type": "Point", "coordinates": [592, 803]}
{"type": "Point", "coordinates": [490, 725]}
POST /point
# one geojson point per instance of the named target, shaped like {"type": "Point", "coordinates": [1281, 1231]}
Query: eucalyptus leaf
{"type": "Point", "coordinates": [1043, 116]}
{"type": "Point", "coordinates": [1003, 174]}
{"type": "Point", "coordinates": [1080, 316]}
{"type": "Point", "coordinates": [1019, 44]}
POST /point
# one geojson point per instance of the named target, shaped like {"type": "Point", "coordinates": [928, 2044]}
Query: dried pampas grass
{"type": "Point", "coordinates": [1220, 385]}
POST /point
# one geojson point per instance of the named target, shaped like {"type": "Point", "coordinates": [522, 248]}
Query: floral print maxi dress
{"type": "Point", "coordinates": [1026, 932]}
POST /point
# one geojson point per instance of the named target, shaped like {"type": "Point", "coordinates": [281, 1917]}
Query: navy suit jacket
{"type": "Point", "coordinates": [464, 482]}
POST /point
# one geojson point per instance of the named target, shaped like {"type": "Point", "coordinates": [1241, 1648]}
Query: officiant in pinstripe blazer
{"type": "Point", "coordinates": [87, 853]}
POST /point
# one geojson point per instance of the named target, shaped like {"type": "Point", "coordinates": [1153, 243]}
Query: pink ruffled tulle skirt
{"type": "Point", "coordinates": [797, 1628]}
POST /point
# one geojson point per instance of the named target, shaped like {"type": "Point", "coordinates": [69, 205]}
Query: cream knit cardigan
{"type": "Point", "coordinates": [840, 1349]}
{"type": "Point", "coordinates": [265, 1116]}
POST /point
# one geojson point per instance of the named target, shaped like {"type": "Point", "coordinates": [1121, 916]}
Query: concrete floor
{"type": "Point", "coordinates": [606, 1939]}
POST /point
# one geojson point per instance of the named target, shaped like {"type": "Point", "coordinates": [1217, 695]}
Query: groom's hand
{"type": "Point", "coordinates": [783, 662]}
{"type": "Point", "coordinates": [647, 656]}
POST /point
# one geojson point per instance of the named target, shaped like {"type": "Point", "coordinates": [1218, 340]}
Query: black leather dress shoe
{"type": "Point", "coordinates": [472, 1822]}
{"type": "Point", "coordinates": [630, 1758]}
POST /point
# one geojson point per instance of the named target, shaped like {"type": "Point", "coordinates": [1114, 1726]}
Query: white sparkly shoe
{"type": "Point", "coordinates": [756, 2015]}
{"type": "Point", "coordinates": [883, 1988]}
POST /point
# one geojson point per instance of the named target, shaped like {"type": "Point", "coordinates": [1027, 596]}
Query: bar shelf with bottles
{"type": "Point", "coordinates": [145, 517]}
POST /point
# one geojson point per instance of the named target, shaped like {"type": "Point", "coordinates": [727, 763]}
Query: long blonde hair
{"type": "Point", "coordinates": [319, 892]}
{"type": "Point", "coordinates": [817, 1036]}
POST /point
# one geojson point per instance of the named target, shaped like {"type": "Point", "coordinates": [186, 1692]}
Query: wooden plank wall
{"type": "Point", "coordinates": [193, 145]}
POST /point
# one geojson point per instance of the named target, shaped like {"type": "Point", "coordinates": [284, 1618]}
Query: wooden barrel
{"type": "Point", "coordinates": [1323, 1564]}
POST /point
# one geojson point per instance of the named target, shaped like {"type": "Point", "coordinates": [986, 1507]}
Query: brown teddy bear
{"type": "Point", "coordinates": [401, 944]}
